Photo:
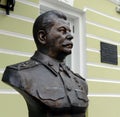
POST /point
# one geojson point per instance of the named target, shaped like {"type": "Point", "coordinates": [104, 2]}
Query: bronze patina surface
{"type": "Point", "coordinates": [47, 84]}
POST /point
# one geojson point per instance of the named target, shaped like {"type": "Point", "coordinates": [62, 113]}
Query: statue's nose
{"type": "Point", "coordinates": [69, 37]}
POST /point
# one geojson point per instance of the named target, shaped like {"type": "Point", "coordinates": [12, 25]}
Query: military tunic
{"type": "Point", "coordinates": [49, 87]}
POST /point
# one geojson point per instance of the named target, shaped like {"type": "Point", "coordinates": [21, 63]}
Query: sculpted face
{"type": "Point", "coordinates": [58, 39]}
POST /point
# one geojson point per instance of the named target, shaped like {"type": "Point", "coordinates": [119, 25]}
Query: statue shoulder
{"type": "Point", "coordinates": [24, 65]}
{"type": "Point", "coordinates": [76, 74]}
{"type": "Point", "coordinates": [13, 74]}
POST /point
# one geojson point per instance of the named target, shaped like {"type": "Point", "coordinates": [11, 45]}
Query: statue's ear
{"type": "Point", "coordinates": [42, 37]}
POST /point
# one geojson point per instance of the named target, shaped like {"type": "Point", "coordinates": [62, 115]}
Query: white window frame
{"type": "Point", "coordinates": [78, 57]}
{"type": "Point", "coordinates": [115, 1]}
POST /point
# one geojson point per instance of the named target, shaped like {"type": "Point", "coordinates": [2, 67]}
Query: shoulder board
{"type": "Point", "coordinates": [24, 65]}
{"type": "Point", "coordinates": [76, 74]}
{"type": "Point", "coordinates": [79, 76]}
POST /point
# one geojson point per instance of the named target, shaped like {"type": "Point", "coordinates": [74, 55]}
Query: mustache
{"type": "Point", "coordinates": [68, 43]}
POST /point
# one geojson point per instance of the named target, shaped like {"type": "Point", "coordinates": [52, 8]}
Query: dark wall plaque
{"type": "Point", "coordinates": [109, 53]}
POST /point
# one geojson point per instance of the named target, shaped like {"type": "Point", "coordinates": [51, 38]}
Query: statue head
{"type": "Point", "coordinates": [52, 34]}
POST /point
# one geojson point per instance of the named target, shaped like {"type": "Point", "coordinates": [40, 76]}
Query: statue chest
{"type": "Point", "coordinates": [58, 91]}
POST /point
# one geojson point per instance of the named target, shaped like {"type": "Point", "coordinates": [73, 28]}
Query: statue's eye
{"type": "Point", "coordinates": [62, 30]}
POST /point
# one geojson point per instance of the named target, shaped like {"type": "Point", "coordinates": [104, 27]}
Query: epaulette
{"type": "Point", "coordinates": [79, 76]}
{"type": "Point", "coordinates": [76, 74]}
{"type": "Point", "coordinates": [24, 65]}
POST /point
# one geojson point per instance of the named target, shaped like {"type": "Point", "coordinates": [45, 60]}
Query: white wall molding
{"type": "Point", "coordinates": [101, 80]}
{"type": "Point", "coordinates": [102, 14]}
{"type": "Point", "coordinates": [96, 51]}
{"type": "Point", "coordinates": [8, 91]}
{"type": "Point", "coordinates": [20, 17]}
{"type": "Point", "coordinates": [102, 39]}
{"type": "Point", "coordinates": [27, 2]}
{"type": "Point", "coordinates": [17, 53]}
{"type": "Point", "coordinates": [93, 50]}
{"type": "Point", "coordinates": [104, 95]}
{"type": "Point", "coordinates": [14, 34]}
{"type": "Point", "coordinates": [103, 66]}
{"type": "Point", "coordinates": [103, 27]}
{"type": "Point", "coordinates": [13, 92]}
{"type": "Point", "coordinates": [69, 2]}
{"type": "Point", "coordinates": [1, 71]}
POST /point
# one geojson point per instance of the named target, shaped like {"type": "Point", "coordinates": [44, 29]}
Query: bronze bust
{"type": "Point", "coordinates": [48, 86]}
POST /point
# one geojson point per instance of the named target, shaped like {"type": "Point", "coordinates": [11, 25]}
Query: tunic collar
{"type": "Point", "coordinates": [47, 61]}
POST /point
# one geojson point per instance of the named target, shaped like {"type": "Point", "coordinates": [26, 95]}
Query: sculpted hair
{"type": "Point", "coordinates": [44, 22]}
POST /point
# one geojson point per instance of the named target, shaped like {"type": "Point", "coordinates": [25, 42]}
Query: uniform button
{"type": "Point", "coordinates": [80, 87]}
{"type": "Point", "coordinates": [76, 80]}
{"type": "Point", "coordinates": [50, 64]}
{"type": "Point", "coordinates": [61, 69]}
{"type": "Point", "coordinates": [36, 62]}
{"type": "Point", "coordinates": [69, 89]}
{"type": "Point", "coordinates": [23, 65]}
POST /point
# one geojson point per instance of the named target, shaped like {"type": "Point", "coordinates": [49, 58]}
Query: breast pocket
{"type": "Point", "coordinates": [81, 95]}
{"type": "Point", "coordinates": [51, 93]}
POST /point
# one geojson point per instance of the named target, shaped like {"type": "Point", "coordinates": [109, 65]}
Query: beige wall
{"type": "Point", "coordinates": [16, 45]}
{"type": "Point", "coordinates": [102, 24]}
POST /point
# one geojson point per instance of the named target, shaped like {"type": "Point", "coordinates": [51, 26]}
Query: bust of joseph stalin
{"type": "Point", "coordinates": [48, 86]}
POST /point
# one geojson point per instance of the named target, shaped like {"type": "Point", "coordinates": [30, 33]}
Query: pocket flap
{"type": "Point", "coordinates": [81, 95]}
{"type": "Point", "coordinates": [51, 93]}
